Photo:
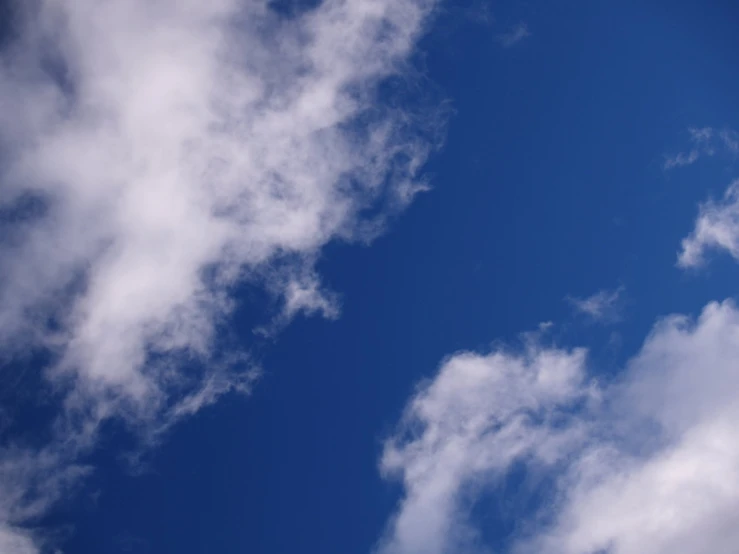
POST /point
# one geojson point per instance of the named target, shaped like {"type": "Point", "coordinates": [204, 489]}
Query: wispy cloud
{"type": "Point", "coordinates": [604, 306]}
{"type": "Point", "coordinates": [163, 152]}
{"type": "Point", "coordinates": [645, 465]}
{"type": "Point", "coordinates": [515, 35]}
{"type": "Point", "coordinates": [682, 159]}
{"type": "Point", "coordinates": [706, 141]}
{"type": "Point", "coordinates": [717, 228]}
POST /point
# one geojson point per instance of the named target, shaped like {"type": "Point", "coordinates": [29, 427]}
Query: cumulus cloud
{"type": "Point", "coordinates": [603, 306]}
{"type": "Point", "coordinates": [157, 154]}
{"type": "Point", "coordinates": [649, 464]}
{"type": "Point", "coordinates": [717, 228]}
{"type": "Point", "coordinates": [514, 35]}
{"type": "Point", "coordinates": [466, 427]}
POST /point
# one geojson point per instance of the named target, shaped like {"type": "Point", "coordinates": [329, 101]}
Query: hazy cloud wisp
{"type": "Point", "coordinates": [516, 34]}
{"type": "Point", "coordinates": [706, 141]}
{"type": "Point", "coordinates": [603, 306]}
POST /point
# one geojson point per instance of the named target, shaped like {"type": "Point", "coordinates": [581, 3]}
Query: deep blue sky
{"type": "Point", "coordinates": [550, 183]}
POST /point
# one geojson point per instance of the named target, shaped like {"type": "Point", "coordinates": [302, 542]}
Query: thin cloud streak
{"type": "Point", "coordinates": [706, 142]}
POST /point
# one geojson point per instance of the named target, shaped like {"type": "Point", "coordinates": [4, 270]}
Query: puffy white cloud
{"type": "Point", "coordinates": [653, 466]}
{"type": "Point", "coordinates": [603, 306]}
{"type": "Point", "coordinates": [717, 228]}
{"type": "Point", "coordinates": [463, 431]}
{"type": "Point", "coordinates": [155, 155]}
{"type": "Point", "coordinates": [671, 484]}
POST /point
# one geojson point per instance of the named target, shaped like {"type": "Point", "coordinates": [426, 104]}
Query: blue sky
{"type": "Point", "coordinates": [322, 277]}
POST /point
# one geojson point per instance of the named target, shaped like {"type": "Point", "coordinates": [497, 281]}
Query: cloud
{"type": "Point", "coordinates": [649, 463]}
{"type": "Point", "coordinates": [701, 139]}
{"type": "Point", "coordinates": [717, 228]}
{"type": "Point", "coordinates": [603, 306]}
{"type": "Point", "coordinates": [675, 490]}
{"type": "Point", "coordinates": [706, 142]}
{"type": "Point", "coordinates": [14, 541]}
{"type": "Point", "coordinates": [158, 154]}
{"type": "Point", "coordinates": [515, 35]}
{"type": "Point", "coordinates": [682, 159]}
{"type": "Point", "coordinates": [465, 428]}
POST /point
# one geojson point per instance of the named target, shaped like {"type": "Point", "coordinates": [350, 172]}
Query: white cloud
{"type": "Point", "coordinates": [465, 428]}
{"type": "Point", "coordinates": [515, 35]}
{"type": "Point", "coordinates": [652, 467]}
{"type": "Point", "coordinates": [717, 228]}
{"type": "Point", "coordinates": [603, 306]}
{"type": "Point", "coordinates": [158, 153]}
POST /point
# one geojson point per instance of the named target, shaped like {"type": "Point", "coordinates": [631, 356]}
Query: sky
{"type": "Point", "coordinates": [369, 277]}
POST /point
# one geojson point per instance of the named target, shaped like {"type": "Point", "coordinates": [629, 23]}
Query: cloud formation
{"type": "Point", "coordinates": [649, 463]}
{"type": "Point", "coordinates": [465, 428]}
{"type": "Point", "coordinates": [706, 141]}
{"type": "Point", "coordinates": [156, 155]}
{"type": "Point", "coordinates": [603, 306]}
{"type": "Point", "coordinates": [717, 228]}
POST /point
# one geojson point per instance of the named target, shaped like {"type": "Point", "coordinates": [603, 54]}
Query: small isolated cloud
{"type": "Point", "coordinates": [647, 464]}
{"type": "Point", "coordinates": [515, 35]}
{"type": "Point", "coordinates": [706, 141]}
{"type": "Point", "coordinates": [717, 228]}
{"type": "Point", "coordinates": [158, 155]}
{"type": "Point", "coordinates": [604, 306]}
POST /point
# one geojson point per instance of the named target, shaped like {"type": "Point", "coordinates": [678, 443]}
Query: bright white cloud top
{"type": "Point", "coordinates": [155, 155]}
